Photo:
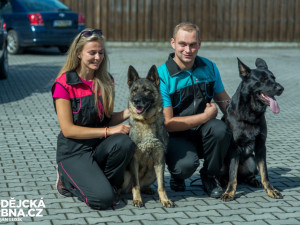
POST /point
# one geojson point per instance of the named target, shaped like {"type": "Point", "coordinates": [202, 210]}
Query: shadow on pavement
{"type": "Point", "coordinates": [24, 80]}
{"type": "Point", "coordinates": [276, 176]}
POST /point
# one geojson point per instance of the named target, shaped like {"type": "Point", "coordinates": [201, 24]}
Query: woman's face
{"type": "Point", "coordinates": [92, 55]}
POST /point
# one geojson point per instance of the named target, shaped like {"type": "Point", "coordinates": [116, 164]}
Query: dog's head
{"type": "Point", "coordinates": [261, 84]}
{"type": "Point", "coordinates": [144, 95]}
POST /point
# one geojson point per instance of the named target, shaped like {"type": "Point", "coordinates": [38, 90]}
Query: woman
{"type": "Point", "coordinates": [91, 155]}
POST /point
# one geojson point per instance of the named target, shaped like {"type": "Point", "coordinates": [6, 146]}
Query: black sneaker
{"type": "Point", "coordinates": [177, 184]}
{"type": "Point", "coordinates": [211, 186]}
{"type": "Point", "coordinates": [60, 187]}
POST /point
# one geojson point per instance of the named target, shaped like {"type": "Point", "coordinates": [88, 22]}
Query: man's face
{"type": "Point", "coordinates": [186, 46]}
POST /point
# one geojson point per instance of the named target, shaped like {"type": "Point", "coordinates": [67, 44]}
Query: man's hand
{"type": "Point", "coordinates": [211, 111]}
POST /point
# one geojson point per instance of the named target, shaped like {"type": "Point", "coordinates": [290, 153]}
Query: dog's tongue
{"type": "Point", "coordinates": [274, 105]}
{"type": "Point", "coordinates": [139, 109]}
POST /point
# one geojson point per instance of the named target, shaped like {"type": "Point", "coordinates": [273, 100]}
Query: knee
{"type": "Point", "coordinates": [101, 200]}
{"type": "Point", "coordinates": [184, 168]}
{"type": "Point", "coordinates": [219, 130]}
{"type": "Point", "coordinates": [124, 143]}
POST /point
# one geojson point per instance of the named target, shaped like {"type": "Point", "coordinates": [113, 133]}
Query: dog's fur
{"type": "Point", "coordinates": [149, 134]}
{"type": "Point", "coordinates": [245, 115]}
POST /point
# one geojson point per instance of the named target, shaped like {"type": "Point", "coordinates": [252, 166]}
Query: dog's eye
{"type": "Point", "coordinates": [147, 90]}
{"type": "Point", "coordinates": [134, 89]}
{"type": "Point", "coordinates": [265, 77]}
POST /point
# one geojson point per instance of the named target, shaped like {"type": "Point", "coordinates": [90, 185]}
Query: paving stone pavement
{"type": "Point", "coordinates": [28, 129]}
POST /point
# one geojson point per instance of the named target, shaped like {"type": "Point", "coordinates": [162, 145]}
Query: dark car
{"type": "Point", "coordinates": [40, 23]}
{"type": "Point", "coordinates": [3, 49]}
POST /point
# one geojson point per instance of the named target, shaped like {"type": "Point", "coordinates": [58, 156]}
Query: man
{"type": "Point", "coordinates": [188, 84]}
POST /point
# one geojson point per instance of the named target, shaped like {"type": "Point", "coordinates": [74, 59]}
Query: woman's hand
{"type": "Point", "coordinates": [120, 129]}
{"type": "Point", "coordinates": [126, 114]}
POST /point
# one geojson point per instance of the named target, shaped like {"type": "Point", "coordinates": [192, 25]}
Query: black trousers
{"type": "Point", "coordinates": [210, 141]}
{"type": "Point", "coordinates": [93, 175]}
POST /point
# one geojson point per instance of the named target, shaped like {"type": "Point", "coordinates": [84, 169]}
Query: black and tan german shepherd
{"type": "Point", "coordinates": [245, 115]}
{"type": "Point", "coordinates": [148, 132]}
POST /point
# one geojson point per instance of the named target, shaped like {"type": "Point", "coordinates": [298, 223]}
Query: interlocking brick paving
{"type": "Point", "coordinates": [28, 129]}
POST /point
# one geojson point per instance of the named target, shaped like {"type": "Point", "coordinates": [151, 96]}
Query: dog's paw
{"type": "Point", "coordinates": [138, 203]}
{"type": "Point", "coordinates": [168, 204]}
{"type": "Point", "coordinates": [226, 197]}
{"type": "Point", "coordinates": [274, 194]}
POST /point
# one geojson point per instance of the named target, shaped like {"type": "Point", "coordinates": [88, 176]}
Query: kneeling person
{"type": "Point", "coordinates": [188, 84]}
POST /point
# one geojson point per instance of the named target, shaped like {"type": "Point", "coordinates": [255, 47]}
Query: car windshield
{"type": "Point", "coordinates": [44, 5]}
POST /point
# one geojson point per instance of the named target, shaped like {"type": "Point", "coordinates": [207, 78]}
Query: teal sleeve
{"type": "Point", "coordinates": [166, 100]}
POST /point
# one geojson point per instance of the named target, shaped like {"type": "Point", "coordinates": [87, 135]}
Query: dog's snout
{"type": "Point", "coordinates": [280, 89]}
{"type": "Point", "coordinates": [137, 100]}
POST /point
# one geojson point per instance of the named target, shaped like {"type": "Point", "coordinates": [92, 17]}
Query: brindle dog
{"type": "Point", "coordinates": [149, 134]}
{"type": "Point", "coordinates": [245, 115]}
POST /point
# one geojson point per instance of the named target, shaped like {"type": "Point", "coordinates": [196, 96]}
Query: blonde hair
{"type": "Point", "coordinates": [102, 80]}
{"type": "Point", "coordinates": [187, 26]}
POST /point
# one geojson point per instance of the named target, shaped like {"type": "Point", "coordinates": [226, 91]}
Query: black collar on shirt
{"type": "Point", "coordinates": [174, 69]}
{"type": "Point", "coordinates": [73, 78]}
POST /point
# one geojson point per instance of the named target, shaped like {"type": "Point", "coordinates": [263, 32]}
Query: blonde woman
{"type": "Point", "coordinates": [93, 147]}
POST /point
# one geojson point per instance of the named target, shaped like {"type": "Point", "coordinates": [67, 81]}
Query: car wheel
{"type": "Point", "coordinates": [13, 45]}
{"type": "Point", "coordinates": [63, 49]}
{"type": "Point", "coordinates": [4, 65]}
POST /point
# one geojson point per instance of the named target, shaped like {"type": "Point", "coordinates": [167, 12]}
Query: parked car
{"type": "Point", "coordinates": [40, 23]}
{"type": "Point", "coordinates": [3, 49]}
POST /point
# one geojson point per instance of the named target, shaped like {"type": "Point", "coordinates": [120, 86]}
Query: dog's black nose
{"type": "Point", "coordinates": [136, 100]}
{"type": "Point", "coordinates": [279, 89]}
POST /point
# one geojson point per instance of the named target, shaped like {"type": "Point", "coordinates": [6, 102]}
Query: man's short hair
{"type": "Point", "coordinates": [187, 26]}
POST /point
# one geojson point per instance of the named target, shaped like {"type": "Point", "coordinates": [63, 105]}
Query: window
{"type": "Point", "coordinates": [44, 5]}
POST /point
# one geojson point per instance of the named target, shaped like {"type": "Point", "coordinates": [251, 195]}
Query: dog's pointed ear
{"type": "Point", "coordinates": [153, 75]}
{"type": "Point", "coordinates": [132, 76]}
{"type": "Point", "coordinates": [244, 70]}
{"type": "Point", "coordinates": [261, 64]}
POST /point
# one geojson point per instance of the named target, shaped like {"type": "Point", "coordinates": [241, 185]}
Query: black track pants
{"type": "Point", "coordinates": [210, 142]}
{"type": "Point", "coordinates": [92, 175]}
